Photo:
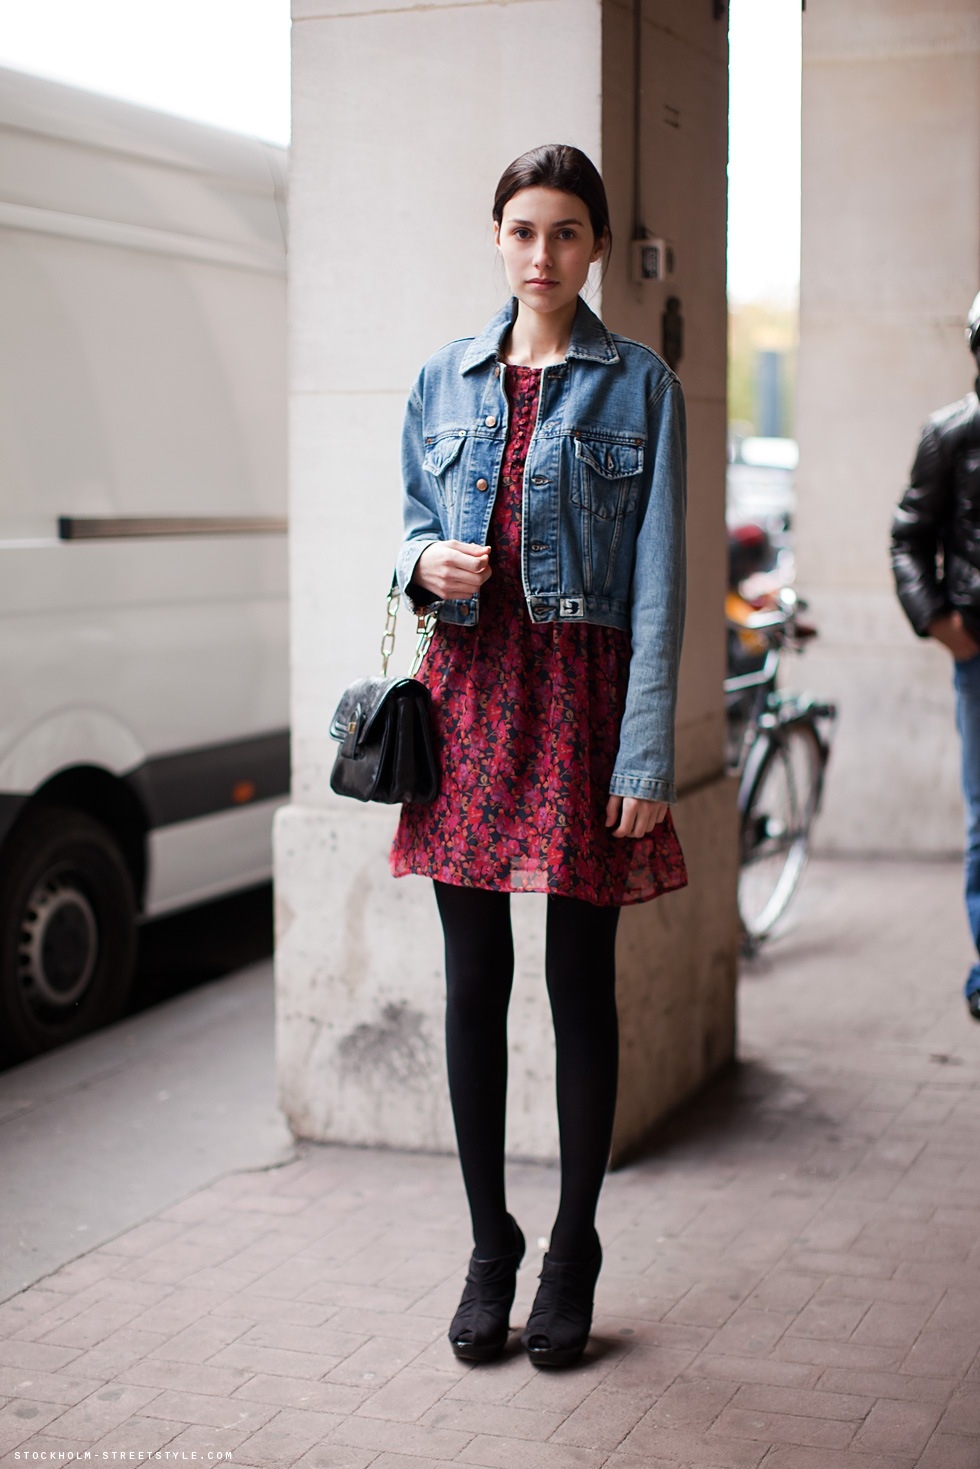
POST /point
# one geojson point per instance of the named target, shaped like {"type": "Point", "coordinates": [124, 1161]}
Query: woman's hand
{"type": "Point", "coordinates": [453, 569]}
{"type": "Point", "coordinates": [635, 817]}
{"type": "Point", "coordinates": [951, 630]}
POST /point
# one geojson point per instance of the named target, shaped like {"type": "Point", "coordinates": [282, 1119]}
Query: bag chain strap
{"type": "Point", "coordinates": [388, 640]}
{"type": "Point", "coordinates": [425, 627]}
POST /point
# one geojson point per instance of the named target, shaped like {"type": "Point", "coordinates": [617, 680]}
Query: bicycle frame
{"type": "Point", "coordinates": [784, 710]}
{"type": "Point", "coordinates": [767, 728]}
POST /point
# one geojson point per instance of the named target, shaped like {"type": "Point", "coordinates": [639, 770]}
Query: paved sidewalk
{"type": "Point", "coordinates": [792, 1276]}
{"type": "Point", "coordinates": [189, 1085]}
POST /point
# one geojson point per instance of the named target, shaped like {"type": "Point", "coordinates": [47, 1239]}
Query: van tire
{"type": "Point", "coordinates": [67, 931]}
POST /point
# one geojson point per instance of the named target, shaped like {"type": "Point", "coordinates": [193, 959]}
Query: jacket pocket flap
{"type": "Point", "coordinates": [444, 452]}
{"type": "Point", "coordinates": [612, 461]}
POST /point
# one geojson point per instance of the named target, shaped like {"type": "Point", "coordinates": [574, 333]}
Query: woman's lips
{"type": "Point", "coordinates": [542, 284]}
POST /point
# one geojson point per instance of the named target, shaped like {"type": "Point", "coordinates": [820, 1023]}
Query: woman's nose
{"type": "Point", "coordinates": [542, 255]}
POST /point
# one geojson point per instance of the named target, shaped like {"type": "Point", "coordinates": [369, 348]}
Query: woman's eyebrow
{"type": "Point", "coordinates": [558, 224]}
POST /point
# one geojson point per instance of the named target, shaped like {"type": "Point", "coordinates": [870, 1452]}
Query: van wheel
{"type": "Point", "coordinates": [67, 931]}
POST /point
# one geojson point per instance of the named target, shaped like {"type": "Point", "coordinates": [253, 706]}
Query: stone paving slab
{"type": "Point", "coordinates": [190, 1083]}
{"type": "Point", "coordinates": [792, 1273]}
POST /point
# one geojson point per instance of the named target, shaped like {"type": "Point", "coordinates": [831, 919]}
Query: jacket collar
{"type": "Point", "coordinates": [590, 340]}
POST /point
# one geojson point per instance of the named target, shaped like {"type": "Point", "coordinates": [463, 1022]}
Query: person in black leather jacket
{"type": "Point", "coordinates": [935, 551]}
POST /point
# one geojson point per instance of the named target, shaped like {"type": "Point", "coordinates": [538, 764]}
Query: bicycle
{"type": "Point", "coordinates": [778, 745]}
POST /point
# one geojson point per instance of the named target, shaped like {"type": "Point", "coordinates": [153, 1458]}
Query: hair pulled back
{"type": "Point", "coordinates": [557, 166]}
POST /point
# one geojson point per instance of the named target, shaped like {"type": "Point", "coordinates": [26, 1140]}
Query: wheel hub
{"type": "Point", "coordinates": [59, 943]}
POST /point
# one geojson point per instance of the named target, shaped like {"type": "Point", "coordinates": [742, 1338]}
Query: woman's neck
{"type": "Point", "coordinates": [537, 338]}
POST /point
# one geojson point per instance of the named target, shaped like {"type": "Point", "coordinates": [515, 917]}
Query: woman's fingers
{"type": "Point", "coordinates": [453, 568]}
{"type": "Point", "coordinates": [635, 817]}
{"type": "Point", "coordinates": [471, 561]}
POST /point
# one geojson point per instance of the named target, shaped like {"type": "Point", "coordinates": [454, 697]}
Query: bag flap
{"type": "Point", "coordinates": [364, 699]}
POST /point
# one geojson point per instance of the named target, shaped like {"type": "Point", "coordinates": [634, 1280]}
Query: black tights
{"type": "Point", "coordinates": [580, 969]}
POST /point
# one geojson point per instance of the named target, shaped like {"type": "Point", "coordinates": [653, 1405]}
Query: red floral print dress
{"type": "Point", "coordinates": [527, 719]}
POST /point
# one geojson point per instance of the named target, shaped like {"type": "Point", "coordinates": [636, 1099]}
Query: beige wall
{"type": "Point", "coordinates": [684, 152]}
{"type": "Point", "coordinates": [403, 120]}
{"type": "Point", "coordinates": [676, 956]}
{"type": "Point", "coordinates": [891, 261]}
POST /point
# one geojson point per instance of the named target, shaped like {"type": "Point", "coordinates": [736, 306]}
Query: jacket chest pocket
{"type": "Point", "coordinates": [606, 477]}
{"type": "Point", "coordinates": [442, 460]}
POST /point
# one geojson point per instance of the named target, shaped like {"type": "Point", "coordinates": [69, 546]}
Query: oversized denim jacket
{"type": "Point", "coordinates": [603, 506]}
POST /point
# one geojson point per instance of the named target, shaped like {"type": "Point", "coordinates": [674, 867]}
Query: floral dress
{"type": "Point", "coordinates": [526, 720]}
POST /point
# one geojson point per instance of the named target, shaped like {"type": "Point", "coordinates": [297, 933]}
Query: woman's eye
{"type": "Point", "coordinates": [522, 234]}
{"type": "Point", "coordinates": [566, 234]}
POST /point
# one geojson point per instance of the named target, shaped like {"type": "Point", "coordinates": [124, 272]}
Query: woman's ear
{"type": "Point", "coordinates": [496, 234]}
{"type": "Point", "coordinates": [600, 247]}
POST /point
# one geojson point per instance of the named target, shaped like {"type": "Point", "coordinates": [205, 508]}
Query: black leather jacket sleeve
{"type": "Point", "coordinates": [917, 534]}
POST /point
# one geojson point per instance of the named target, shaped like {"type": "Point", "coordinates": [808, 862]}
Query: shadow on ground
{"type": "Point", "coordinates": [749, 1103]}
{"type": "Point", "coordinates": [183, 950]}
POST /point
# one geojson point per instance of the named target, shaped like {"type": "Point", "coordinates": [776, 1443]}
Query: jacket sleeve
{"type": "Point", "coordinates": [420, 509]}
{"type": "Point", "coordinates": [917, 529]}
{"type": "Point", "coordinates": [645, 760]}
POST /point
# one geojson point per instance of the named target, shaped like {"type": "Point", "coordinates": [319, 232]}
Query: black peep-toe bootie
{"type": "Point", "coordinates": [557, 1329]}
{"type": "Point", "coordinates": [479, 1329]}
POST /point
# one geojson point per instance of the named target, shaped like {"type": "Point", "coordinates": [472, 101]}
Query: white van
{"type": "Point", "coordinates": [143, 617]}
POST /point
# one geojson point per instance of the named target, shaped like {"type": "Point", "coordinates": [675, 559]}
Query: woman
{"type": "Point", "coordinates": [544, 501]}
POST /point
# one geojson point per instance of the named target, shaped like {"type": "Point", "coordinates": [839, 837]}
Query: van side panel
{"type": "Point", "coordinates": [195, 860]}
{"type": "Point", "coordinates": [135, 384]}
{"type": "Point", "coordinates": [142, 374]}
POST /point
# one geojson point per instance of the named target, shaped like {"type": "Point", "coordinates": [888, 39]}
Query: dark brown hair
{"type": "Point", "coordinates": [557, 166]}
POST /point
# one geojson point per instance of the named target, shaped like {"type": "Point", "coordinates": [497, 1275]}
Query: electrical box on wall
{"type": "Point", "coordinates": [653, 259]}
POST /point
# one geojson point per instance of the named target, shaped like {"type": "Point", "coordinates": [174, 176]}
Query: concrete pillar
{"type": "Point", "coordinates": [890, 263]}
{"type": "Point", "coordinates": [403, 119]}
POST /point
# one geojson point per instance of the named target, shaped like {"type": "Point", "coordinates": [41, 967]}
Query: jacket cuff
{"type": "Point", "coordinates": [420, 599]}
{"type": "Point", "coordinates": [644, 788]}
{"type": "Point", "coordinates": [921, 614]}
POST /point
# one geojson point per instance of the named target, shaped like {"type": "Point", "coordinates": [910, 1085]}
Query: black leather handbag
{"type": "Point", "coordinates": [387, 752]}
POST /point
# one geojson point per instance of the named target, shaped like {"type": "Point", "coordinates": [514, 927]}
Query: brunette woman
{"type": "Point", "coordinates": [544, 521]}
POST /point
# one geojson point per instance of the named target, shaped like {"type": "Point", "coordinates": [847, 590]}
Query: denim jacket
{"type": "Point", "coordinates": [603, 506]}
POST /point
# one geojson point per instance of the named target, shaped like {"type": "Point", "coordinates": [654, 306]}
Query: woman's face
{"type": "Point", "coordinates": [547, 244]}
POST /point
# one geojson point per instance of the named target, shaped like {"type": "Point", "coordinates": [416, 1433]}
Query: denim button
{"type": "Point", "coordinates": [490, 421]}
{"type": "Point", "coordinates": [481, 484]}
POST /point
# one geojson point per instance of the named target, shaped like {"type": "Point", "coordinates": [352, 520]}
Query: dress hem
{"type": "Point", "coordinates": [630, 899]}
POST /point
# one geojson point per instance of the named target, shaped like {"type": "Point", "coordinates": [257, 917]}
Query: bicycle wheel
{"type": "Point", "coordinates": [783, 786]}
